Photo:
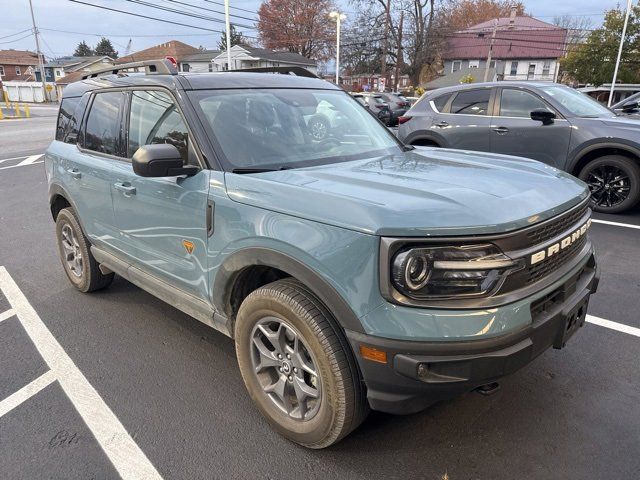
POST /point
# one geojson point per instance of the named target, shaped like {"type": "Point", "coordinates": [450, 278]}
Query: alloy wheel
{"type": "Point", "coordinates": [609, 185]}
{"type": "Point", "coordinates": [285, 368]}
{"type": "Point", "coordinates": [72, 252]}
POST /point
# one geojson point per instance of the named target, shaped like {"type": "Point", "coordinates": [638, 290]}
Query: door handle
{"type": "Point", "coordinates": [500, 130]}
{"type": "Point", "coordinates": [74, 173]}
{"type": "Point", "coordinates": [441, 124]}
{"type": "Point", "coordinates": [127, 189]}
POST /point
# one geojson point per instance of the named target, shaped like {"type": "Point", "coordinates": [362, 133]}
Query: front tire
{"type": "Point", "coordinates": [297, 366]}
{"type": "Point", "coordinates": [73, 247]}
{"type": "Point", "coordinates": [614, 182]}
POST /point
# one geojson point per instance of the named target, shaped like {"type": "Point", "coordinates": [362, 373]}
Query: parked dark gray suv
{"type": "Point", "coordinates": [544, 121]}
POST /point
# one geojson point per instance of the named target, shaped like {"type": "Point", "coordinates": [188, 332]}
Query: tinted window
{"type": "Point", "coordinates": [154, 118]}
{"type": "Point", "coordinates": [102, 132]}
{"type": "Point", "coordinates": [441, 101]}
{"type": "Point", "coordinates": [471, 102]}
{"type": "Point", "coordinates": [518, 103]}
{"type": "Point", "coordinates": [67, 108]}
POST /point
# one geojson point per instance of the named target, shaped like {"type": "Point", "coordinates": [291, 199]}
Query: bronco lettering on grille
{"type": "Point", "coordinates": [561, 245]}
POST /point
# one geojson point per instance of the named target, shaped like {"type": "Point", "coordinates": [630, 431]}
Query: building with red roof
{"type": "Point", "coordinates": [524, 48]}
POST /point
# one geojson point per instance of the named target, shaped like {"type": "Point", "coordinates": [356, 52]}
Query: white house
{"type": "Point", "coordinates": [243, 56]}
{"type": "Point", "coordinates": [199, 62]}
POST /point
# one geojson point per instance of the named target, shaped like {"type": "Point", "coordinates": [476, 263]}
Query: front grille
{"type": "Point", "coordinates": [555, 227]}
{"type": "Point", "coordinates": [542, 269]}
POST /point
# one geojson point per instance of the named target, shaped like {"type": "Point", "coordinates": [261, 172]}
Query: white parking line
{"type": "Point", "coordinates": [616, 224]}
{"type": "Point", "coordinates": [8, 314]}
{"type": "Point", "coordinates": [26, 392]}
{"type": "Point", "coordinates": [620, 327]}
{"type": "Point", "coordinates": [30, 160]}
{"type": "Point", "coordinates": [125, 455]}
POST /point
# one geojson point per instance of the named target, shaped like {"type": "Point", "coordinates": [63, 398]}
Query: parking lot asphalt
{"type": "Point", "coordinates": [137, 389]}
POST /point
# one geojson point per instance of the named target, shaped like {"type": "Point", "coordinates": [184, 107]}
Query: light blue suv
{"type": "Point", "coordinates": [352, 272]}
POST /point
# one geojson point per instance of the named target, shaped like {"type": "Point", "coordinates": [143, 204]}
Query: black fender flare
{"type": "Point", "coordinates": [426, 135]}
{"type": "Point", "coordinates": [583, 150]}
{"type": "Point", "coordinates": [233, 265]}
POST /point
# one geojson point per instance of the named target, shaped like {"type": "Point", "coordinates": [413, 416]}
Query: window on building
{"type": "Point", "coordinates": [456, 65]}
{"type": "Point", "coordinates": [211, 67]}
{"type": "Point", "coordinates": [492, 64]}
{"type": "Point", "coordinates": [1, 71]}
{"type": "Point", "coordinates": [546, 68]}
{"type": "Point", "coordinates": [18, 71]}
{"type": "Point", "coordinates": [474, 63]}
{"type": "Point", "coordinates": [519, 103]}
{"type": "Point", "coordinates": [514, 69]}
{"type": "Point", "coordinates": [102, 132]}
{"type": "Point", "coordinates": [185, 67]}
{"type": "Point", "coordinates": [471, 102]}
{"type": "Point", "coordinates": [154, 118]}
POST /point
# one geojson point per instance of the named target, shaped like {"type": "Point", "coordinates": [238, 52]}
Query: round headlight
{"type": "Point", "coordinates": [411, 269]}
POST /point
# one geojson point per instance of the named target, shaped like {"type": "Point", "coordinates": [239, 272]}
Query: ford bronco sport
{"type": "Point", "coordinates": [353, 272]}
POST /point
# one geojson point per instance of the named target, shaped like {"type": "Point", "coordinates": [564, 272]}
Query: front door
{"type": "Point", "coordinates": [514, 133]}
{"type": "Point", "coordinates": [162, 221]}
{"type": "Point", "coordinates": [464, 123]}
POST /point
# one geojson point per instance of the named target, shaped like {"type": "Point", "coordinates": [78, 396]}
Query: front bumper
{"type": "Point", "coordinates": [418, 374]}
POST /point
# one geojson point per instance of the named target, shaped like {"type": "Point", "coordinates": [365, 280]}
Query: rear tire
{"type": "Point", "coordinates": [291, 315]}
{"type": "Point", "coordinates": [614, 182]}
{"type": "Point", "coordinates": [74, 249]}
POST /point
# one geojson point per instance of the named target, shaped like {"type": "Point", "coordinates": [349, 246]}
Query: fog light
{"type": "Point", "coordinates": [423, 370]}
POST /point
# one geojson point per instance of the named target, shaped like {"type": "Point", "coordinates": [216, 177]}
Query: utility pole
{"type": "Point", "coordinates": [615, 71]}
{"type": "Point", "coordinates": [338, 17]}
{"type": "Point", "coordinates": [228, 27]}
{"type": "Point", "coordinates": [385, 43]}
{"type": "Point", "coordinates": [493, 39]}
{"type": "Point", "coordinates": [399, 53]}
{"type": "Point", "coordinates": [40, 56]}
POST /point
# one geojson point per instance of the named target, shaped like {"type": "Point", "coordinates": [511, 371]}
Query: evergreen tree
{"type": "Point", "coordinates": [83, 50]}
{"type": "Point", "coordinates": [104, 47]}
{"type": "Point", "coordinates": [236, 38]}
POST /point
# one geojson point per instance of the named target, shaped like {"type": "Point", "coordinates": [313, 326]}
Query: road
{"type": "Point", "coordinates": [180, 410]}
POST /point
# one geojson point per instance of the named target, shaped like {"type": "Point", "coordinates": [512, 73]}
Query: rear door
{"type": "Point", "coordinates": [464, 121]}
{"type": "Point", "coordinates": [514, 133]}
{"type": "Point", "coordinates": [88, 166]}
{"type": "Point", "coordinates": [162, 221]}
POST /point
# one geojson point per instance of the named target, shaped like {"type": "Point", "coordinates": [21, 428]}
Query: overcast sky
{"type": "Point", "coordinates": [83, 22]}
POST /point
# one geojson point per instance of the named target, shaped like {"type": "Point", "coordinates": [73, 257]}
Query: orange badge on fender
{"type": "Point", "coordinates": [188, 246]}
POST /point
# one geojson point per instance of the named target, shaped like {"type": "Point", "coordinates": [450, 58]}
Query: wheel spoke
{"type": "Point", "coordinates": [267, 358]}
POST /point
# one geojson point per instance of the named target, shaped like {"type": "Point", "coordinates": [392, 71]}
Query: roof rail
{"type": "Point", "coordinates": [151, 67]}
{"type": "Point", "coordinates": [297, 71]}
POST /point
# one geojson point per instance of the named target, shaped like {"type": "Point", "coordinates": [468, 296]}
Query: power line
{"type": "Point", "coordinates": [17, 33]}
{"type": "Point", "coordinates": [209, 10]}
{"type": "Point", "coordinates": [231, 6]}
{"type": "Point", "coordinates": [18, 39]}
{"type": "Point", "coordinates": [145, 16]}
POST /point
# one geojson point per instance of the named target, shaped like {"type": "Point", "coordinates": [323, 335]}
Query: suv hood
{"type": "Point", "coordinates": [427, 191]}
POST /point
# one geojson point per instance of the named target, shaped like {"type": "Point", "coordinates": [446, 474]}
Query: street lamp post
{"type": "Point", "coordinates": [615, 71]}
{"type": "Point", "coordinates": [338, 18]}
{"type": "Point", "coordinates": [227, 24]}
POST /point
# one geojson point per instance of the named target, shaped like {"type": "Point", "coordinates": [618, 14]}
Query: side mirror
{"type": "Point", "coordinates": [160, 160]}
{"type": "Point", "coordinates": [630, 107]}
{"type": "Point", "coordinates": [544, 116]}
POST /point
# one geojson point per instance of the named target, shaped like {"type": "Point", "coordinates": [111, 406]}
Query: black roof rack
{"type": "Point", "coordinates": [297, 71]}
{"type": "Point", "coordinates": [151, 67]}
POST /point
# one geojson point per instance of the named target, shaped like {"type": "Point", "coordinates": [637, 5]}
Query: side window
{"type": "Point", "coordinates": [518, 103]}
{"type": "Point", "coordinates": [471, 102]}
{"type": "Point", "coordinates": [102, 131]}
{"type": "Point", "coordinates": [441, 101]}
{"type": "Point", "coordinates": [65, 114]}
{"type": "Point", "coordinates": [154, 118]}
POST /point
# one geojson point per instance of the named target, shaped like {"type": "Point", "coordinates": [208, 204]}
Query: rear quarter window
{"type": "Point", "coordinates": [441, 101]}
{"type": "Point", "coordinates": [65, 116]}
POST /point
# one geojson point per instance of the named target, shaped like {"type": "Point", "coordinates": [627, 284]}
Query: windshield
{"type": "Point", "coordinates": [288, 128]}
{"type": "Point", "coordinates": [579, 104]}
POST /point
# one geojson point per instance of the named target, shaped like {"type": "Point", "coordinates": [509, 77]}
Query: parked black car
{"type": "Point", "coordinates": [376, 104]}
{"type": "Point", "coordinates": [544, 121]}
{"type": "Point", "coordinates": [397, 104]}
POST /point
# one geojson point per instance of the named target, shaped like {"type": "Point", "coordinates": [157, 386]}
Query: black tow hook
{"type": "Point", "coordinates": [488, 389]}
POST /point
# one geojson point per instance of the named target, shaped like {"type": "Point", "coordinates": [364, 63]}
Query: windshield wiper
{"type": "Point", "coordinates": [258, 169]}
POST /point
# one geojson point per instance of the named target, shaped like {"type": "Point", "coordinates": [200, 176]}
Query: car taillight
{"type": "Point", "coordinates": [402, 120]}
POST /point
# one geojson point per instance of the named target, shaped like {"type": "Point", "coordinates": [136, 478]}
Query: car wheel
{"type": "Point", "coordinates": [297, 366]}
{"type": "Point", "coordinates": [78, 262]}
{"type": "Point", "coordinates": [318, 128]}
{"type": "Point", "coordinates": [614, 182]}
